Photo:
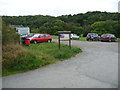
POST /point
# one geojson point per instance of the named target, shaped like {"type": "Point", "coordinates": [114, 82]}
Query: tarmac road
{"type": "Point", "coordinates": [95, 67]}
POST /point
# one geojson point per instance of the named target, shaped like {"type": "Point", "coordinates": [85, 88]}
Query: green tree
{"type": "Point", "coordinates": [109, 26]}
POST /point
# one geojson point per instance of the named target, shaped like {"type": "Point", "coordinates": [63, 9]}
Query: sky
{"type": "Point", "coordinates": [55, 7]}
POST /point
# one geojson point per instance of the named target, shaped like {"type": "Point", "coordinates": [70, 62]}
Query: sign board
{"type": "Point", "coordinates": [23, 30]}
{"type": "Point", "coordinates": [63, 36]}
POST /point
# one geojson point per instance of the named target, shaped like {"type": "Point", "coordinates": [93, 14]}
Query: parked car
{"type": "Point", "coordinates": [92, 36]}
{"type": "Point", "coordinates": [108, 37]}
{"type": "Point", "coordinates": [38, 38]}
{"type": "Point", "coordinates": [74, 36]}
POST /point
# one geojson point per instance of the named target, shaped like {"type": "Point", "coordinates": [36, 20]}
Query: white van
{"type": "Point", "coordinates": [74, 36]}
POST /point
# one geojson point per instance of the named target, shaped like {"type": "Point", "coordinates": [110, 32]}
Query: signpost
{"type": "Point", "coordinates": [64, 36]}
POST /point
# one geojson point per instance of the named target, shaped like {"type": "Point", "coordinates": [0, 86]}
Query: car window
{"type": "Point", "coordinates": [42, 35]}
{"type": "Point", "coordinates": [36, 35]}
{"type": "Point", "coordinates": [74, 34]}
{"type": "Point", "coordinates": [46, 35]}
{"type": "Point", "coordinates": [112, 35]}
{"type": "Point", "coordinates": [104, 35]}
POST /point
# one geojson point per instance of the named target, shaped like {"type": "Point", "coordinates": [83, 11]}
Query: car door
{"type": "Point", "coordinates": [46, 38]}
{"type": "Point", "coordinates": [41, 38]}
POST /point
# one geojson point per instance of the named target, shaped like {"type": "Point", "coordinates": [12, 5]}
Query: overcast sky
{"type": "Point", "coordinates": [55, 7]}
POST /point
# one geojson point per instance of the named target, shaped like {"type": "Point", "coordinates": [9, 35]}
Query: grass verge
{"type": "Point", "coordinates": [17, 59]}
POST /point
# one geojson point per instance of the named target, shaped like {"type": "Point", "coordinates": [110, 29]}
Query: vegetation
{"type": "Point", "coordinates": [18, 58]}
{"type": "Point", "coordinates": [99, 22]}
{"type": "Point", "coordinates": [118, 40]}
{"type": "Point", "coordinates": [21, 59]}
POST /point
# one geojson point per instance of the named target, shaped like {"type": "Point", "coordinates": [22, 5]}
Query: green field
{"type": "Point", "coordinates": [35, 56]}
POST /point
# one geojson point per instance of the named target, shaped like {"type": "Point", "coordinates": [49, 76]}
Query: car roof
{"type": "Point", "coordinates": [107, 34]}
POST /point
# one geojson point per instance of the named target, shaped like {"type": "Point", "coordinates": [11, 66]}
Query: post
{"type": "Point", "coordinates": [70, 40]}
{"type": "Point", "coordinates": [59, 40]}
{"type": "Point", "coordinates": [20, 40]}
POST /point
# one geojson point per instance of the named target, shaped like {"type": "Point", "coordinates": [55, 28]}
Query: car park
{"type": "Point", "coordinates": [38, 38]}
{"type": "Point", "coordinates": [108, 37]}
{"type": "Point", "coordinates": [92, 36]}
{"type": "Point", "coordinates": [74, 36]}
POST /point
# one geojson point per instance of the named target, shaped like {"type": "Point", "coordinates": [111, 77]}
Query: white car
{"type": "Point", "coordinates": [74, 36]}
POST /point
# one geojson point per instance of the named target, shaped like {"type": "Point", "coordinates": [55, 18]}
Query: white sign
{"type": "Point", "coordinates": [64, 36]}
{"type": "Point", "coordinates": [23, 30]}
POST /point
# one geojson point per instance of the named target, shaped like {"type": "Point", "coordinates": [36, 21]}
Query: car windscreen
{"type": "Point", "coordinates": [36, 35]}
{"type": "Point", "coordinates": [93, 34]}
{"type": "Point", "coordinates": [111, 35]}
{"type": "Point", "coordinates": [107, 35]}
{"type": "Point", "coordinates": [74, 34]}
{"type": "Point", "coordinates": [31, 34]}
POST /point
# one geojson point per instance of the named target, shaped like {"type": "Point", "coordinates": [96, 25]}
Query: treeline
{"type": "Point", "coordinates": [99, 22]}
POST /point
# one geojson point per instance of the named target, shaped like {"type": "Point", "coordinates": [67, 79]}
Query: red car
{"type": "Point", "coordinates": [108, 37]}
{"type": "Point", "coordinates": [38, 38]}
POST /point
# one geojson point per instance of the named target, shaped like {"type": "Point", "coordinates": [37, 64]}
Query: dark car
{"type": "Point", "coordinates": [108, 37]}
{"type": "Point", "coordinates": [92, 36]}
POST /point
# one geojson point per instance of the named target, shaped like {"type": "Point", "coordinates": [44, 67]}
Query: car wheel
{"type": "Point", "coordinates": [49, 41]}
{"type": "Point", "coordinates": [35, 42]}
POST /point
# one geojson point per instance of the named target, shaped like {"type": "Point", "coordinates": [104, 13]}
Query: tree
{"type": "Point", "coordinates": [109, 26]}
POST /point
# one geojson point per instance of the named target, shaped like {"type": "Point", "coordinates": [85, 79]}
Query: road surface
{"type": "Point", "coordinates": [95, 67]}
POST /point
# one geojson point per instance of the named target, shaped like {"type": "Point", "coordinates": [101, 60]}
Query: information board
{"type": "Point", "coordinates": [23, 30]}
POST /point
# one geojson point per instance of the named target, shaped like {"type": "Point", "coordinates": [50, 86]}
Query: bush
{"type": "Point", "coordinates": [9, 35]}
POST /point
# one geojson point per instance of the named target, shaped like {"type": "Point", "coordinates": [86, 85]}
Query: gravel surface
{"type": "Point", "coordinates": [95, 67]}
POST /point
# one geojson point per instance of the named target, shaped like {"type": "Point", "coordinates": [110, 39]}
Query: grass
{"type": "Point", "coordinates": [54, 37]}
{"type": "Point", "coordinates": [21, 59]}
{"type": "Point", "coordinates": [118, 40]}
{"type": "Point", "coordinates": [82, 39]}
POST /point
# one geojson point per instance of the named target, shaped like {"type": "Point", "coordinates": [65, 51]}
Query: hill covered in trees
{"type": "Point", "coordinates": [98, 22]}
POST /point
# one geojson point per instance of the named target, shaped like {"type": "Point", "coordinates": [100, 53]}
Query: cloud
{"type": "Point", "coordinates": [55, 7]}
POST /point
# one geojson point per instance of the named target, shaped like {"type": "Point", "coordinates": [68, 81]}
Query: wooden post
{"type": "Point", "coordinates": [20, 40]}
{"type": "Point", "coordinates": [70, 41]}
{"type": "Point", "coordinates": [59, 40]}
